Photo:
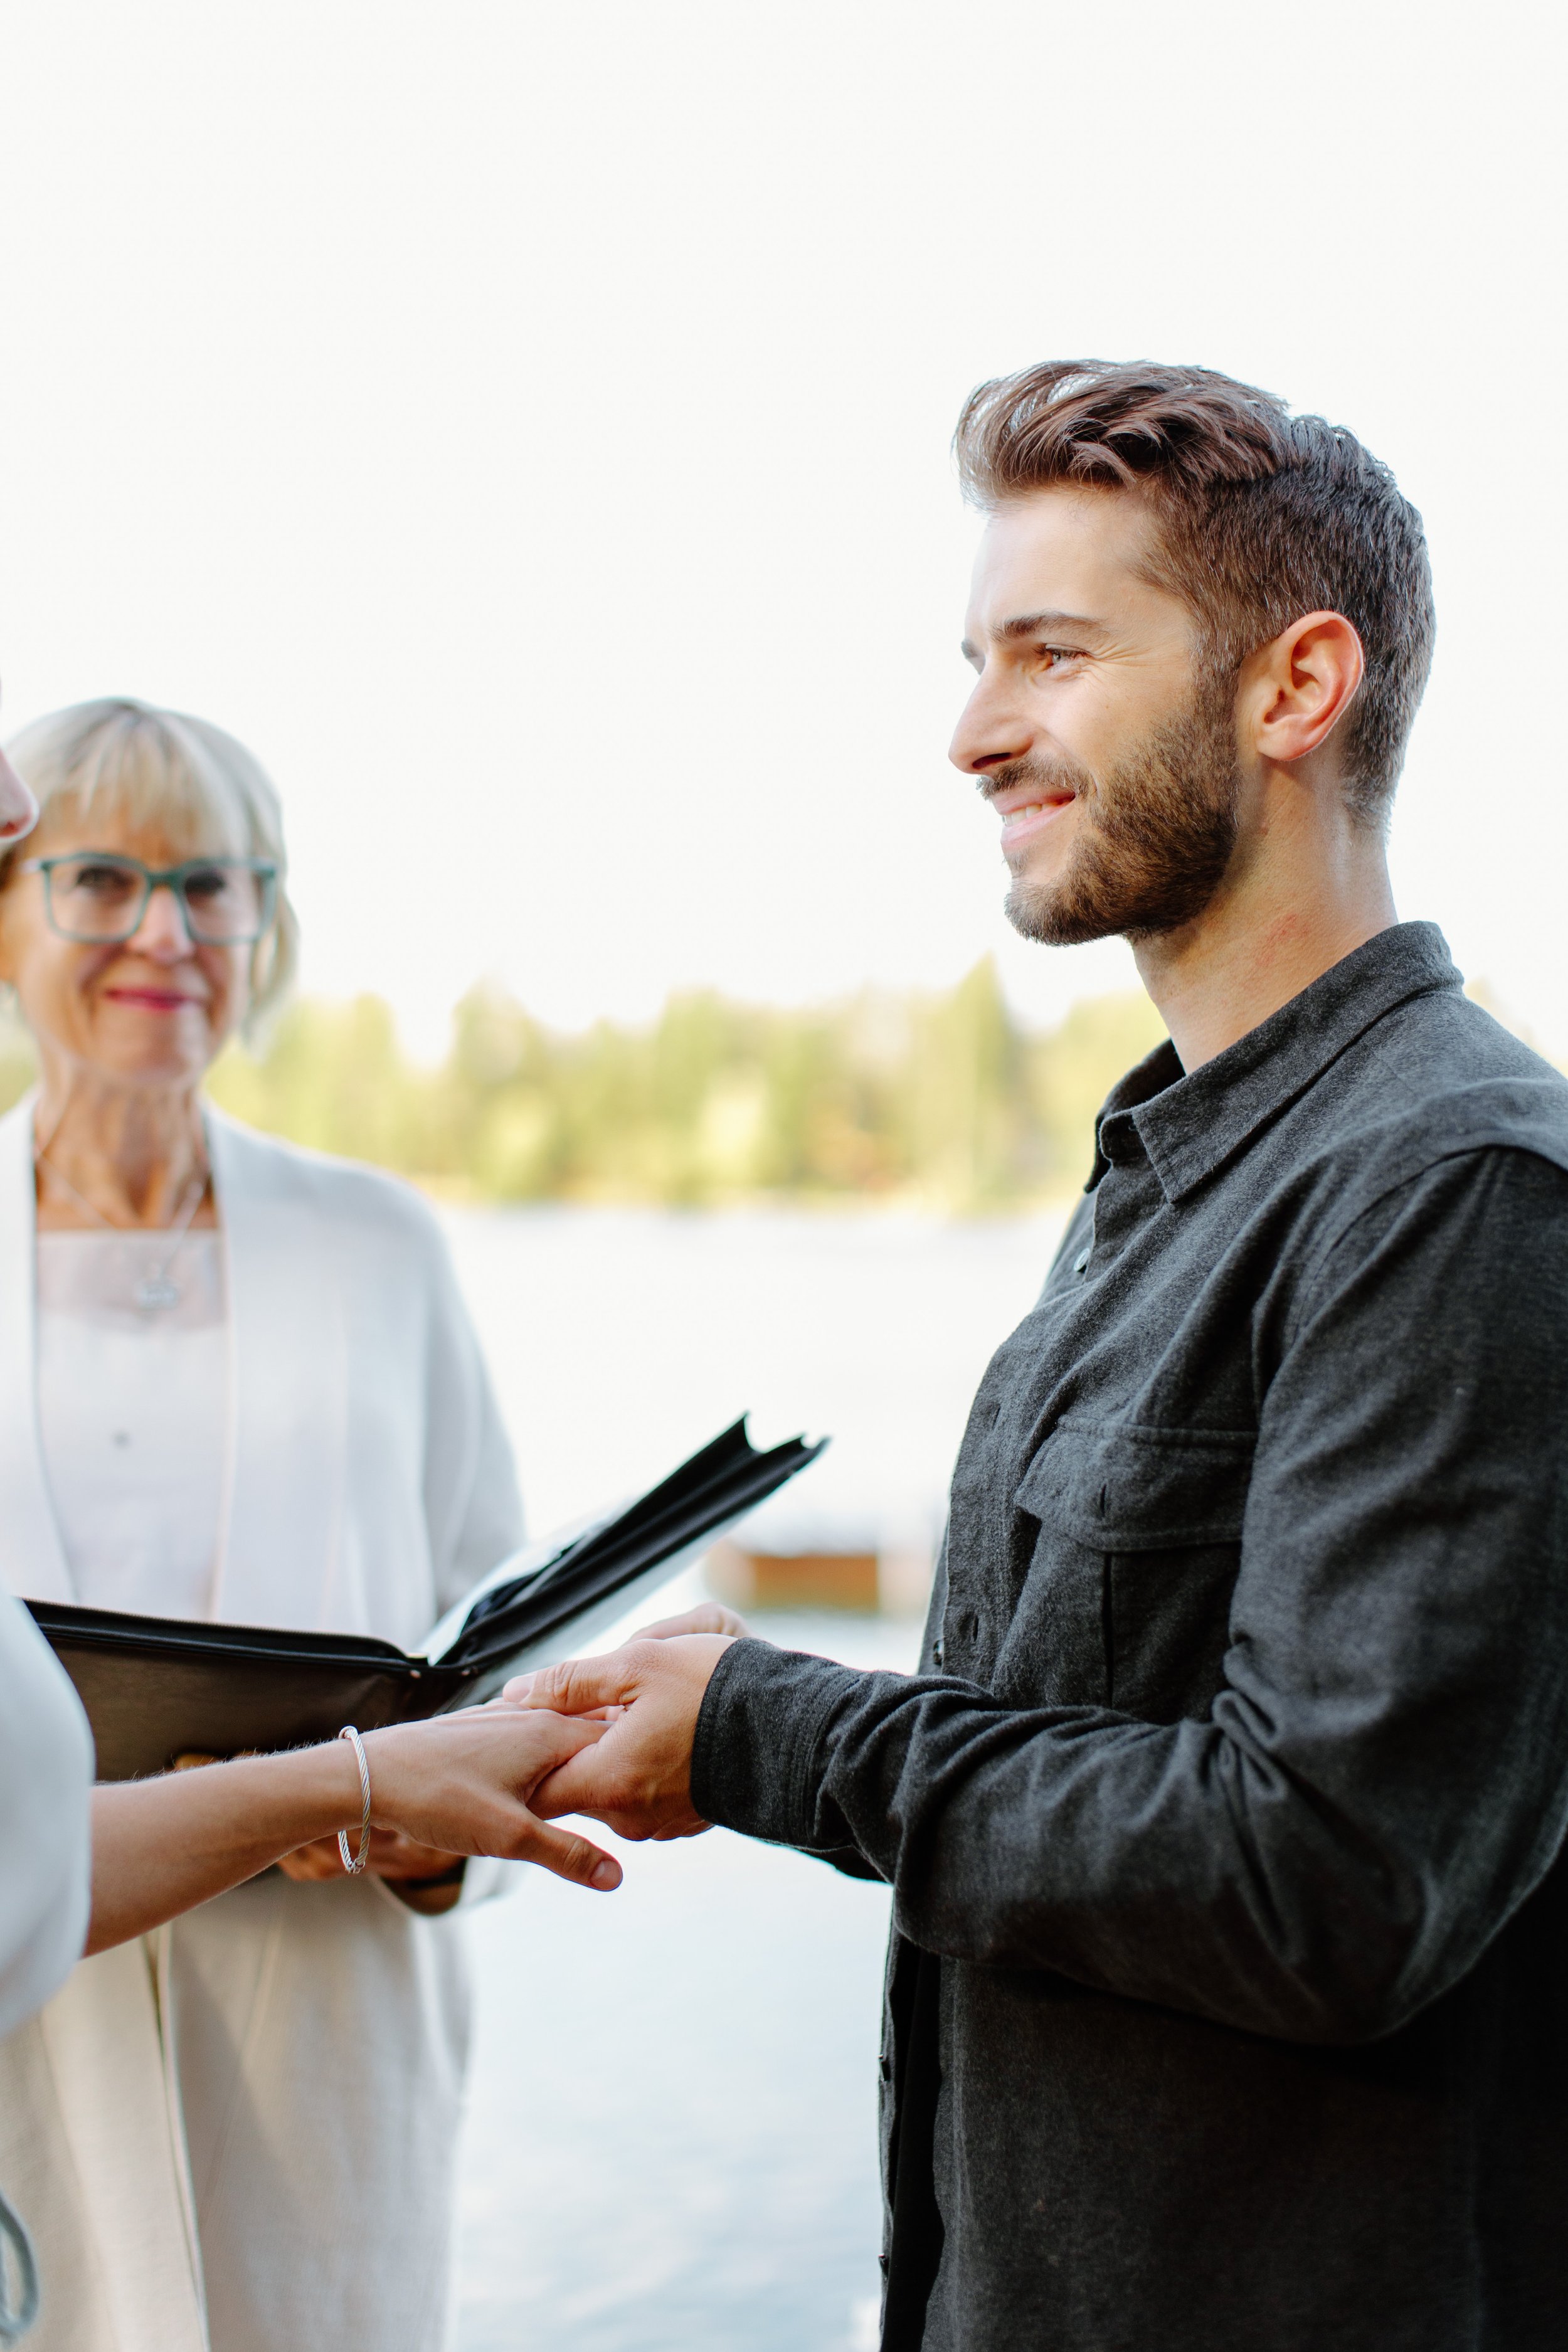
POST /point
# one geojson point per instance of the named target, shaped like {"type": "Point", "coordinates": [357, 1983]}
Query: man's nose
{"type": "Point", "coordinates": [992, 730]}
{"type": "Point", "coordinates": [163, 931]}
{"type": "Point", "coordinates": [18, 809]}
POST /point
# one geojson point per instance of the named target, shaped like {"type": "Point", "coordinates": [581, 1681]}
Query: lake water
{"type": "Point", "coordinates": [671, 2133]}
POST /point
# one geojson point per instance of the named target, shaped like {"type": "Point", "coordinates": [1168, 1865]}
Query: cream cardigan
{"type": "Point", "coordinates": [240, 2134]}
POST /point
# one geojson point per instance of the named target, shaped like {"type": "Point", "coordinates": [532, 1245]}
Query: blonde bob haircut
{"type": "Point", "coordinates": [197, 784]}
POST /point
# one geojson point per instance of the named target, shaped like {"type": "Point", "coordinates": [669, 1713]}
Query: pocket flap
{"type": "Point", "coordinates": [1124, 1487]}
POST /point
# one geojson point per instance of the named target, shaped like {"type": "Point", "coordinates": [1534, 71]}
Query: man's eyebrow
{"type": "Point", "coordinates": [1033, 625]}
{"type": "Point", "coordinates": [1029, 624]}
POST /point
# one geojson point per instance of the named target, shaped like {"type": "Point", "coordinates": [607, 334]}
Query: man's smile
{"type": "Point", "coordinates": [1027, 810]}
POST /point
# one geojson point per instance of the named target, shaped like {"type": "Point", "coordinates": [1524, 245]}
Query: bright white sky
{"type": "Point", "coordinates": [526, 425]}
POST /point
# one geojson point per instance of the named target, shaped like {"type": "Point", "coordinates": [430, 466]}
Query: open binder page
{"type": "Point", "coordinates": [574, 1634]}
{"type": "Point", "coordinates": [529, 1561]}
{"type": "Point", "coordinates": [548, 1610]}
{"type": "Point", "coordinates": [156, 1687]}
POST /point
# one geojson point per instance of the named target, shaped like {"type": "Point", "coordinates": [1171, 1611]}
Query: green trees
{"type": "Point", "coordinates": [938, 1101]}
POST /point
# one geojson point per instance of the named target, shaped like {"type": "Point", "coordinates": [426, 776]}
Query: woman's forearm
{"type": "Point", "coordinates": [459, 1784]}
{"type": "Point", "coordinates": [160, 1846]}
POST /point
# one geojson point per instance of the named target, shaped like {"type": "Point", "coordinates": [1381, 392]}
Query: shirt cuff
{"type": "Point", "coordinates": [755, 1755]}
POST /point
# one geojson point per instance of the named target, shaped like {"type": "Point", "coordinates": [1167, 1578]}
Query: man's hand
{"type": "Point", "coordinates": [637, 1779]}
{"type": "Point", "coordinates": [708, 1617]}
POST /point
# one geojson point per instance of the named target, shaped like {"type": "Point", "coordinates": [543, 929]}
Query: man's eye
{"type": "Point", "coordinates": [1053, 656]}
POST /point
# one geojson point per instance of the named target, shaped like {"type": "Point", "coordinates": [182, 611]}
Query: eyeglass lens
{"type": "Point", "coordinates": [101, 899]}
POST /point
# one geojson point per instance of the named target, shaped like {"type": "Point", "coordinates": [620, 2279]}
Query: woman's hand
{"type": "Point", "coordinates": [637, 1780]}
{"type": "Point", "coordinates": [393, 1857]}
{"type": "Point", "coordinates": [460, 1784]}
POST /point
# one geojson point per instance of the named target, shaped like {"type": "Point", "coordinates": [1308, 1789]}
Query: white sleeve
{"type": "Point", "coordinates": [473, 1508]}
{"type": "Point", "coordinates": [45, 1775]}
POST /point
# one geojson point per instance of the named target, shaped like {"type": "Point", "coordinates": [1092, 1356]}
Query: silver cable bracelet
{"type": "Point", "coordinates": [362, 1856]}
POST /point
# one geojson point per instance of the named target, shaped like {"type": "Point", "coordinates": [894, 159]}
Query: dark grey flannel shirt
{"type": "Point", "coordinates": [1231, 1789]}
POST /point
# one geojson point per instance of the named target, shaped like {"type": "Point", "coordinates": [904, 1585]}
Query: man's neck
{"type": "Point", "coordinates": [1279, 922]}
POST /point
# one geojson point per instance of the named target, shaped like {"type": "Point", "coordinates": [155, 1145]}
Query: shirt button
{"type": "Point", "coordinates": [1080, 1262]}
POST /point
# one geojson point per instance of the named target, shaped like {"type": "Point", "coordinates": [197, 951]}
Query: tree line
{"type": "Point", "coordinates": [944, 1101]}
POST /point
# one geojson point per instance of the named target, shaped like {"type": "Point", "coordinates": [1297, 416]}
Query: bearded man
{"type": "Point", "coordinates": [1229, 1988]}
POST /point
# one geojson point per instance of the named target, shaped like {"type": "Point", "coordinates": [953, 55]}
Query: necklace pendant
{"type": "Point", "coordinates": [156, 1291]}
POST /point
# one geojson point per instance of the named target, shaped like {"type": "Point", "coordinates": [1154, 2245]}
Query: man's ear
{"type": "Point", "coordinates": [1297, 688]}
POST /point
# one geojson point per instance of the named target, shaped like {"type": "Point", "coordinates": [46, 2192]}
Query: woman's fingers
{"type": "Point", "coordinates": [463, 1784]}
{"type": "Point", "coordinates": [637, 1778]}
{"type": "Point", "coordinates": [568, 1856]}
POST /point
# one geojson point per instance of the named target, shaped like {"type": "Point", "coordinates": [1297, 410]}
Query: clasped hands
{"type": "Point", "coordinates": [610, 1737]}
{"type": "Point", "coordinates": [636, 1776]}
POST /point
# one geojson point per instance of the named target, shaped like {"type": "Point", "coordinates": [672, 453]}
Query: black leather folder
{"type": "Point", "coordinates": [158, 1688]}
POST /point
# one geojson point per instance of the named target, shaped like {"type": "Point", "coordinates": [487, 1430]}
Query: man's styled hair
{"type": "Point", "coordinates": [1262, 517]}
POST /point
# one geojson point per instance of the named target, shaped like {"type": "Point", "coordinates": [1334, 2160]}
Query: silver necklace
{"type": "Point", "coordinates": [156, 1288]}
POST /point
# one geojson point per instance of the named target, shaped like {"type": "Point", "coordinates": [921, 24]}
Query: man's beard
{"type": "Point", "coordinates": [1155, 833]}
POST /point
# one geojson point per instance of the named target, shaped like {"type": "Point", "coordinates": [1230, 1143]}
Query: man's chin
{"type": "Point", "coordinates": [1093, 900]}
{"type": "Point", "coordinates": [1056, 917]}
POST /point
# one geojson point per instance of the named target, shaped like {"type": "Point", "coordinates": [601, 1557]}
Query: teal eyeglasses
{"type": "Point", "coordinates": [98, 899]}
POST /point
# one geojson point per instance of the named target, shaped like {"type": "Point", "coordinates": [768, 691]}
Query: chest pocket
{"type": "Point", "coordinates": [1158, 1514]}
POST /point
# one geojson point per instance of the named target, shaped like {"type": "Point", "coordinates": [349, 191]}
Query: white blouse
{"type": "Point", "coordinates": [45, 1767]}
{"type": "Point", "coordinates": [241, 2113]}
{"type": "Point", "coordinates": [132, 1414]}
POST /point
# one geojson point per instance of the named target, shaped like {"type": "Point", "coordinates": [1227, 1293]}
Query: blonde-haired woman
{"type": "Point", "coordinates": [237, 1381]}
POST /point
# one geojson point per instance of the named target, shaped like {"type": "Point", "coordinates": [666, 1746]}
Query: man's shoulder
{"type": "Point", "coordinates": [1441, 1065]}
{"type": "Point", "coordinates": [1443, 1039]}
{"type": "Point", "coordinates": [1436, 1080]}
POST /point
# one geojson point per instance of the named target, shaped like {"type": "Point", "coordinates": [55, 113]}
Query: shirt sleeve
{"type": "Point", "coordinates": [472, 1506]}
{"type": "Point", "coordinates": [473, 1509]}
{"type": "Point", "coordinates": [1382, 1778]}
{"type": "Point", "coordinates": [45, 1774]}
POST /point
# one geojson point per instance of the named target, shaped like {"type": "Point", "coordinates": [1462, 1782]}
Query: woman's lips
{"type": "Point", "coordinates": [1022, 823]}
{"type": "Point", "coordinates": [152, 1000]}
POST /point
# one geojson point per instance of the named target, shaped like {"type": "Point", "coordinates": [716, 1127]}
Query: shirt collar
{"type": "Point", "coordinates": [1189, 1126]}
